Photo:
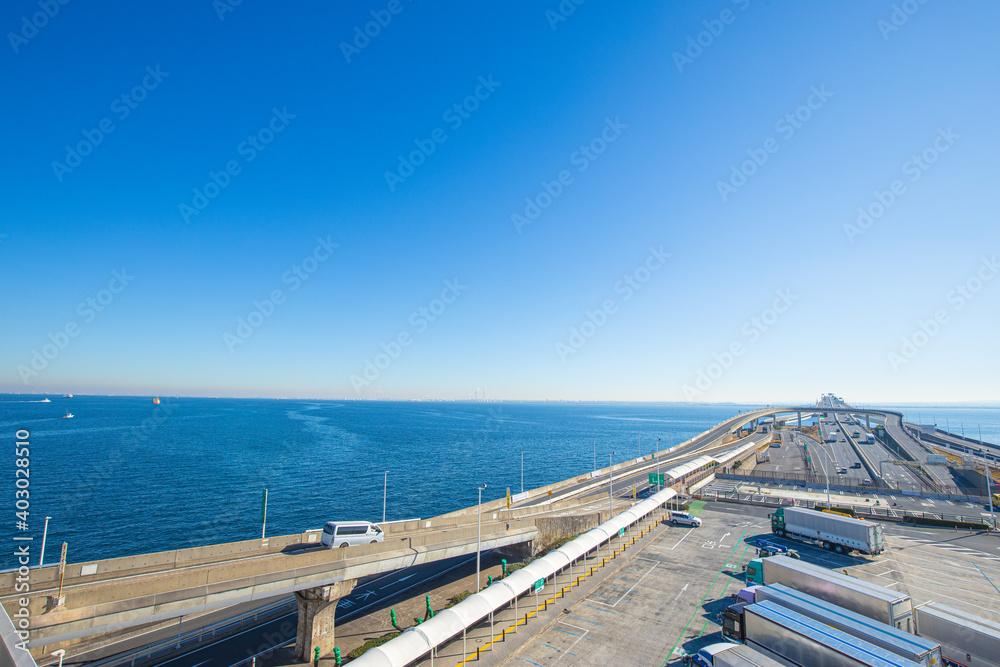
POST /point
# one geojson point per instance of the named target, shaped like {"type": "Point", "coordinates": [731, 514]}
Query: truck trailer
{"type": "Point", "coordinates": [730, 655]}
{"type": "Point", "coordinates": [965, 639]}
{"type": "Point", "coordinates": [876, 602]}
{"type": "Point", "coordinates": [787, 635]}
{"type": "Point", "coordinates": [922, 651]}
{"type": "Point", "coordinates": [836, 532]}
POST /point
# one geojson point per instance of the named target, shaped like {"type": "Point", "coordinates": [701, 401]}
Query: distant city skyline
{"type": "Point", "coordinates": [727, 202]}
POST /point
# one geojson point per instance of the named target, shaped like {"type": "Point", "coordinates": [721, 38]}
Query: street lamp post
{"type": "Point", "coordinates": [479, 533]}
{"type": "Point", "coordinates": [385, 488]}
{"type": "Point", "coordinates": [61, 653]}
{"type": "Point", "coordinates": [657, 465]}
{"type": "Point", "coordinates": [611, 486]}
{"type": "Point", "coordinates": [45, 533]}
{"type": "Point", "coordinates": [989, 484]}
{"type": "Point", "coordinates": [522, 472]}
{"type": "Point", "coordinates": [826, 475]}
{"type": "Point", "coordinates": [640, 444]}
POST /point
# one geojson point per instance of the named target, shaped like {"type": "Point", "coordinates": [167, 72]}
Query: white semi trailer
{"type": "Point", "coordinates": [836, 532]}
{"type": "Point", "coordinates": [799, 640]}
{"type": "Point", "coordinates": [965, 639]}
{"type": "Point", "coordinates": [876, 602]}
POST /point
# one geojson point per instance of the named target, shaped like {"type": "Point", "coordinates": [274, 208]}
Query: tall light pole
{"type": "Point", "coordinates": [825, 474]}
{"type": "Point", "coordinates": [385, 488]}
{"type": "Point", "coordinates": [657, 465]}
{"type": "Point", "coordinates": [479, 533]}
{"type": "Point", "coordinates": [45, 533]}
{"type": "Point", "coordinates": [989, 485]}
{"type": "Point", "coordinates": [595, 454]}
{"type": "Point", "coordinates": [61, 653]}
{"type": "Point", "coordinates": [611, 485]}
{"type": "Point", "coordinates": [640, 444]}
{"type": "Point", "coordinates": [522, 471]}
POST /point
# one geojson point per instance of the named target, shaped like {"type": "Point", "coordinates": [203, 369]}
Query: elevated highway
{"type": "Point", "coordinates": [110, 595]}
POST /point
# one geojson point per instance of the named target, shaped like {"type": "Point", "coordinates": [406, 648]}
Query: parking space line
{"type": "Point", "coordinates": [681, 540]}
{"type": "Point", "coordinates": [610, 611]}
{"type": "Point", "coordinates": [702, 601]}
{"type": "Point", "coordinates": [626, 592]}
{"type": "Point", "coordinates": [988, 579]}
{"type": "Point", "coordinates": [584, 620]}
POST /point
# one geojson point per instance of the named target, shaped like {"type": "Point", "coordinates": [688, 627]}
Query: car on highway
{"type": "Point", "coordinates": [684, 519]}
{"type": "Point", "coordinates": [776, 444]}
{"type": "Point", "coordinates": [345, 534]}
{"type": "Point", "coordinates": [856, 464]}
{"type": "Point", "coordinates": [841, 471]}
{"type": "Point", "coordinates": [843, 439]}
{"type": "Point", "coordinates": [866, 482]}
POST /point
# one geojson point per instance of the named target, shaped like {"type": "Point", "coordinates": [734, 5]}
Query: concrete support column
{"type": "Point", "coordinates": [800, 419]}
{"type": "Point", "coordinates": [317, 607]}
{"type": "Point", "coordinates": [868, 421]}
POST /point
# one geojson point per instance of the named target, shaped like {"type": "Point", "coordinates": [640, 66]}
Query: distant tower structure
{"type": "Point", "coordinates": [477, 393]}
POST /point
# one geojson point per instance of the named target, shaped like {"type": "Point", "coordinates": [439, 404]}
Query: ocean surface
{"type": "Point", "coordinates": [125, 476]}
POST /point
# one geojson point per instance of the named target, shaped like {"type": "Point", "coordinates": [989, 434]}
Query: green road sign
{"type": "Point", "coordinates": [621, 532]}
{"type": "Point", "coordinates": [539, 585]}
{"type": "Point", "coordinates": [657, 478]}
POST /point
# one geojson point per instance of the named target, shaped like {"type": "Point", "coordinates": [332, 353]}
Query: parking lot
{"type": "Point", "coordinates": [663, 601]}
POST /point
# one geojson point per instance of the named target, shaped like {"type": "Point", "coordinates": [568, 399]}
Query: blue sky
{"type": "Point", "coordinates": [651, 272]}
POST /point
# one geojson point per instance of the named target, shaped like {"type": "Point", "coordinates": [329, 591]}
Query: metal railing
{"type": "Point", "coordinates": [817, 481]}
{"type": "Point", "coordinates": [890, 513]}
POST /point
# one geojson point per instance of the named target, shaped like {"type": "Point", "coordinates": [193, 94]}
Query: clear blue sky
{"type": "Point", "coordinates": [663, 122]}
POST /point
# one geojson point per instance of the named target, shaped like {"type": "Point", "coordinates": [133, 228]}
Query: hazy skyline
{"type": "Point", "coordinates": [726, 202]}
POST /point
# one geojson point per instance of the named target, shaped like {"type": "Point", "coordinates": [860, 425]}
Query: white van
{"type": "Point", "coordinates": [350, 533]}
{"type": "Point", "coordinates": [684, 519]}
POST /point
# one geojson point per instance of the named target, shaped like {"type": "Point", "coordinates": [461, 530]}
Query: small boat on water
{"type": "Point", "coordinates": [68, 415]}
{"type": "Point", "coordinates": [45, 400]}
{"type": "Point", "coordinates": [67, 395]}
{"type": "Point", "coordinates": [156, 400]}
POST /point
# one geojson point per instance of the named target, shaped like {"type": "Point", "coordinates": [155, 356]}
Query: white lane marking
{"type": "Point", "coordinates": [626, 592]}
{"type": "Point", "coordinates": [566, 650]}
{"type": "Point", "coordinates": [681, 592]}
{"type": "Point", "coordinates": [682, 539]}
